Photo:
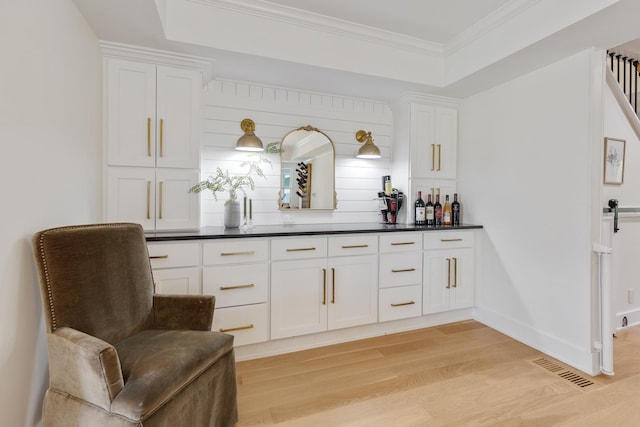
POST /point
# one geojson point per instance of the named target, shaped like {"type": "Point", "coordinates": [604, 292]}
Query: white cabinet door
{"type": "Point", "coordinates": [353, 291]}
{"type": "Point", "coordinates": [176, 208]}
{"type": "Point", "coordinates": [178, 281]}
{"type": "Point", "coordinates": [131, 196]}
{"type": "Point", "coordinates": [422, 136]}
{"type": "Point", "coordinates": [298, 297]}
{"type": "Point", "coordinates": [446, 139]}
{"type": "Point", "coordinates": [178, 117]}
{"type": "Point", "coordinates": [433, 136]}
{"type": "Point", "coordinates": [130, 112]}
{"type": "Point", "coordinates": [155, 198]}
{"type": "Point", "coordinates": [448, 280]}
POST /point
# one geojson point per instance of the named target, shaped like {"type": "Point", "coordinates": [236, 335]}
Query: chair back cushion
{"type": "Point", "coordinates": [96, 279]}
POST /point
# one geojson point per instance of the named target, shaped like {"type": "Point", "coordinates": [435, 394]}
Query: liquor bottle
{"type": "Point", "coordinates": [437, 211]}
{"type": "Point", "coordinates": [382, 203]}
{"type": "Point", "coordinates": [429, 214]}
{"type": "Point", "coordinates": [386, 185]}
{"type": "Point", "coordinates": [455, 208]}
{"type": "Point", "coordinates": [446, 212]}
{"type": "Point", "coordinates": [420, 211]}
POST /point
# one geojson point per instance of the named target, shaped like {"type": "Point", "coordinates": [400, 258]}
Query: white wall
{"type": "Point", "coordinates": [625, 267]}
{"type": "Point", "coordinates": [50, 173]}
{"type": "Point", "coordinates": [276, 111]}
{"type": "Point", "coordinates": [524, 173]}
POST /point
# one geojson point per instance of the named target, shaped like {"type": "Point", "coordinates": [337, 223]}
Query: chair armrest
{"type": "Point", "coordinates": [193, 312]}
{"type": "Point", "coordinates": [84, 366]}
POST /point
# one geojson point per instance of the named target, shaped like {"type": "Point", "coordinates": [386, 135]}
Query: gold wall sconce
{"type": "Point", "coordinates": [249, 141]}
{"type": "Point", "coordinates": [369, 149]}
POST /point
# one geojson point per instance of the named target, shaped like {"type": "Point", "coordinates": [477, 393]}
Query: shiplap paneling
{"type": "Point", "coordinates": [276, 111]}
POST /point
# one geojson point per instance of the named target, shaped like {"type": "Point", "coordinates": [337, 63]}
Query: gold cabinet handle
{"type": "Point", "coordinates": [229, 288]}
{"type": "Point", "coordinates": [403, 270]}
{"type": "Point", "coordinates": [324, 286]}
{"type": "Point", "coordinates": [402, 243]}
{"type": "Point", "coordinates": [433, 156]}
{"type": "Point", "coordinates": [403, 304]}
{"type": "Point", "coordinates": [158, 256]}
{"type": "Point", "coordinates": [300, 249]}
{"type": "Point", "coordinates": [448, 273]}
{"type": "Point", "coordinates": [333, 285]}
{"type": "Point", "coordinates": [439, 156]}
{"type": "Point", "coordinates": [451, 240]}
{"type": "Point", "coordinates": [455, 272]}
{"type": "Point", "coordinates": [149, 136]}
{"type": "Point", "coordinates": [160, 200]}
{"type": "Point", "coordinates": [354, 246]}
{"type": "Point", "coordinates": [161, 126]}
{"type": "Point", "coordinates": [237, 328]}
{"type": "Point", "coordinates": [148, 199]}
{"type": "Point", "coordinates": [237, 253]}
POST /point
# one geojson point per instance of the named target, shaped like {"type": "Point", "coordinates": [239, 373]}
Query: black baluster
{"type": "Point", "coordinates": [630, 80]}
{"type": "Point", "coordinates": [611, 54]}
{"type": "Point", "coordinates": [635, 72]}
{"type": "Point", "coordinates": [618, 66]}
{"type": "Point", "coordinates": [624, 75]}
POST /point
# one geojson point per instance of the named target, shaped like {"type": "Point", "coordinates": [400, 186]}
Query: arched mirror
{"type": "Point", "coordinates": [307, 173]}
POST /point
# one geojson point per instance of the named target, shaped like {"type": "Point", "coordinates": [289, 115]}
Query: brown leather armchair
{"type": "Point", "coordinates": [120, 355]}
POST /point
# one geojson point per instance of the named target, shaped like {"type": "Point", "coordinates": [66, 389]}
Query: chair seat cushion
{"type": "Point", "coordinates": [158, 364]}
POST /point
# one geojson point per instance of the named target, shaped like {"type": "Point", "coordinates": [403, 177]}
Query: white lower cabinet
{"type": "Point", "coordinates": [448, 272]}
{"type": "Point", "coordinates": [270, 288]}
{"type": "Point", "coordinates": [176, 267]}
{"type": "Point", "coordinates": [236, 272]}
{"type": "Point", "coordinates": [310, 295]}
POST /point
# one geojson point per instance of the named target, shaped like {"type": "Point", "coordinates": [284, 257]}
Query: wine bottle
{"type": "Point", "coordinates": [420, 211]}
{"type": "Point", "coordinates": [446, 212]}
{"type": "Point", "coordinates": [455, 211]}
{"type": "Point", "coordinates": [437, 211]}
{"type": "Point", "coordinates": [429, 214]}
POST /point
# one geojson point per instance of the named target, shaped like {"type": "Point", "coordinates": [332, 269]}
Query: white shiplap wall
{"type": "Point", "coordinates": [276, 111]}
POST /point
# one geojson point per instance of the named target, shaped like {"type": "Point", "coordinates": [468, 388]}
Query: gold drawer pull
{"type": "Point", "coordinates": [403, 303]}
{"type": "Point", "coordinates": [301, 249]}
{"type": "Point", "coordinates": [402, 243]}
{"type": "Point", "coordinates": [354, 246]}
{"type": "Point", "coordinates": [158, 256]}
{"type": "Point", "coordinates": [238, 328]}
{"type": "Point", "coordinates": [228, 288]}
{"type": "Point", "coordinates": [149, 136]}
{"type": "Point", "coordinates": [451, 240]}
{"type": "Point", "coordinates": [161, 137]}
{"type": "Point", "coordinates": [403, 270]}
{"type": "Point", "coordinates": [237, 253]}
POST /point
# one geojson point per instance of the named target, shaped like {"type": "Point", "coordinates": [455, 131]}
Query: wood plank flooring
{"type": "Point", "coordinates": [463, 374]}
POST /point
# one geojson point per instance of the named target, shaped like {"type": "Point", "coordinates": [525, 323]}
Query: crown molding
{"type": "Point", "coordinates": [495, 19]}
{"type": "Point", "coordinates": [157, 56]}
{"type": "Point", "coordinates": [292, 16]}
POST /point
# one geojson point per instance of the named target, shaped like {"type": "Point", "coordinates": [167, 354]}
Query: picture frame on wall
{"type": "Point", "coordinates": [614, 152]}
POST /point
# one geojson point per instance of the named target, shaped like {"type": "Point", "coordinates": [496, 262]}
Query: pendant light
{"type": "Point", "coordinates": [249, 141]}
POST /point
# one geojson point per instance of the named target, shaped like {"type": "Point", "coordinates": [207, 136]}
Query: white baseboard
{"type": "Point", "coordinates": [582, 359]}
{"type": "Point", "coordinates": [304, 342]}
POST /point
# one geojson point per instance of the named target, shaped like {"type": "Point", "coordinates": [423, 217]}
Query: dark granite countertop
{"type": "Point", "coordinates": [291, 230]}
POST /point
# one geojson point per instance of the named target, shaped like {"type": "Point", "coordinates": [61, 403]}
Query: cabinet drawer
{"type": "Point", "coordinates": [177, 281]}
{"type": "Point", "coordinates": [236, 284]}
{"type": "Point", "coordinates": [302, 248]}
{"type": "Point", "coordinates": [363, 244]}
{"type": "Point", "coordinates": [400, 303]}
{"type": "Point", "coordinates": [233, 251]}
{"type": "Point", "coordinates": [400, 269]}
{"type": "Point", "coordinates": [247, 323]}
{"type": "Point", "coordinates": [400, 242]}
{"type": "Point", "coordinates": [169, 255]}
{"type": "Point", "coordinates": [448, 239]}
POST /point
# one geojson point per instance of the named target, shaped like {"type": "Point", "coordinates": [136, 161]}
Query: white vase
{"type": "Point", "coordinates": [232, 214]}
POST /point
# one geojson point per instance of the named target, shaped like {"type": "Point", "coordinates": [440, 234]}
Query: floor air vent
{"type": "Point", "coordinates": [577, 380]}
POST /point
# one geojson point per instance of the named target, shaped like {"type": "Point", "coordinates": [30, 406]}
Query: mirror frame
{"type": "Point", "coordinates": [308, 128]}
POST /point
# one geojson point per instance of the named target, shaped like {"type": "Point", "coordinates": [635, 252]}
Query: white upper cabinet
{"type": "Point", "coordinates": [433, 140]}
{"type": "Point", "coordinates": [153, 115]}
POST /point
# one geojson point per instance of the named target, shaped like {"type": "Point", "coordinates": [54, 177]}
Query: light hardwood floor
{"type": "Point", "coordinates": [463, 374]}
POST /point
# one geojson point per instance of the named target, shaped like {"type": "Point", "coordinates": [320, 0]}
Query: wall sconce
{"type": "Point", "coordinates": [249, 141]}
{"type": "Point", "coordinates": [369, 149]}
